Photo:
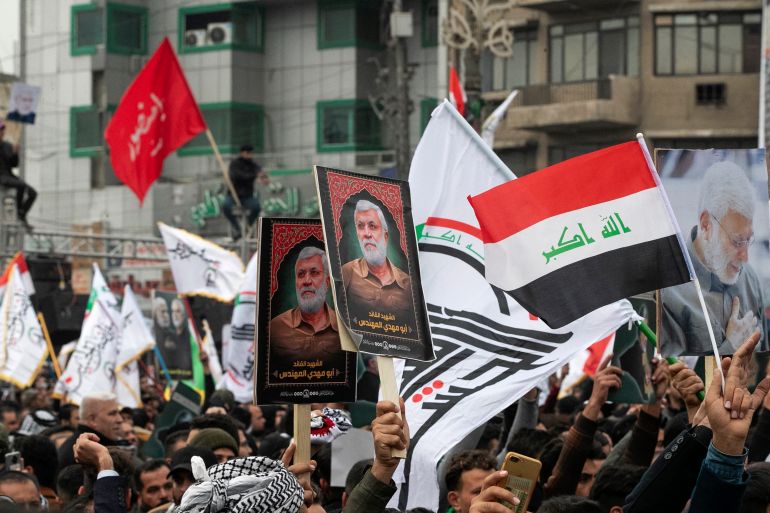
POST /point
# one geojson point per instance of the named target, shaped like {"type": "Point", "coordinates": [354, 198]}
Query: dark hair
{"type": "Point", "coordinates": [757, 495]}
{"type": "Point", "coordinates": [172, 439]}
{"type": "Point", "coordinates": [567, 405]}
{"type": "Point", "coordinates": [323, 458]}
{"type": "Point", "coordinates": [68, 482]}
{"type": "Point", "coordinates": [613, 483]}
{"type": "Point", "coordinates": [356, 474]}
{"type": "Point", "coordinates": [147, 466]}
{"type": "Point", "coordinates": [14, 476]}
{"type": "Point", "coordinates": [273, 444]}
{"type": "Point", "coordinates": [569, 504]}
{"type": "Point", "coordinates": [549, 456]}
{"type": "Point", "coordinates": [140, 418]}
{"type": "Point", "coordinates": [65, 412]}
{"type": "Point", "coordinates": [40, 453]}
{"type": "Point", "coordinates": [216, 420]}
{"type": "Point", "coordinates": [247, 147]}
{"type": "Point", "coordinates": [674, 427]}
{"type": "Point", "coordinates": [241, 416]}
{"type": "Point", "coordinates": [530, 442]}
{"type": "Point", "coordinates": [464, 461]}
{"type": "Point", "coordinates": [122, 464]}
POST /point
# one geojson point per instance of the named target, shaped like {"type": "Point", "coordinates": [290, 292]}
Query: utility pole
{"type": "Point", "coordinates": [400, 29]}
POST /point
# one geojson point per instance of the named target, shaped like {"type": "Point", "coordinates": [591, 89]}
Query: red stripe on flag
{"type": "Point", "coordinates": [595, 177]}
{"type": "Point", "coordinates": [596, 352]}
{"type": "Point", "coordinates": [454, 225]}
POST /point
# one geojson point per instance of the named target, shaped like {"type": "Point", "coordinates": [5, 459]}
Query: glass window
{"type": "Point", "coordinates": [429, 23]}
{"type": "Point", "coordinates": [707, 43]}
{"type": "Point", "coordinates": [587, 51]}
{"type": "Point", "coordinates": [521, 161]}
{"type": "Point", "coordinates": [346, 125]}
{"type": "Point", "coordinates": [86, 129]}
{"type": "Point", "coordinates": [426, 109]}
{"type": "Point", "coordinates": [87, 29]}
{"type": "Point", "coordinates": [232, 124]}
{"type": "Point", "coordinates": [518, 70]}
{"type": "Point", "coordinates": [344, 23]}
{"type": "Point", "coordinates": [213, 27]}
{"type": "Point", "coordinates": [126, 29]}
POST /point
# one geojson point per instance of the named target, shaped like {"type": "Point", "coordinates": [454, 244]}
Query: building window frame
{"type": "Point", "coordinates": [360, 8]}
{"type": "Point", "coordinates": [351, 144]}
{"type": "Point", "coordinates": [659, 25]}
{"type": "Point", "coordinates": [76, 49]}
{"type": "Point", "coordinates": [427, 106]}
{"type": "Point", "coordinates": [427, 41]}
{"type": "Point", "coordinates": [114, 46]}
{"type": "Point", "coordinates": [228, 147]}
{"type": "Point", "coordinates": [259, 11]}
{"type": "Point", "coordinates": [560, 31]}
{"type": "Point", "coordinates": [84, 151]}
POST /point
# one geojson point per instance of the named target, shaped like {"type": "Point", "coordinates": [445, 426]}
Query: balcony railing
{"type": "Point", "coordinates": [544, 94]}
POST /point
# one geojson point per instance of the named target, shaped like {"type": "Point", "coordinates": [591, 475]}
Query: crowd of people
{"type": "Point", "coordinates": [679, 453]}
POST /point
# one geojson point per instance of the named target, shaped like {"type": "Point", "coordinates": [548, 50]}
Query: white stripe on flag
{"type": "Point", "coordinates": [519, 259]}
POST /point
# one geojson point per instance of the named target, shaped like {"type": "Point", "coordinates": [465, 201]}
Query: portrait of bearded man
{"type": "Point", "coordinates": [309, 330]}
{"type": "Point", "coordinates": [719, 248]}
{"type": "Point", "coordinates": [372, 282]}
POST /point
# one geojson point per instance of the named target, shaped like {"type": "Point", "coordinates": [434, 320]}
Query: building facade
{"type": "Point", "coordinates": [294, 78]}
{"type": "Point", "coordinates": [684, 73]}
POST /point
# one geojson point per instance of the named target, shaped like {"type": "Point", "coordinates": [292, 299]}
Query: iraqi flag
{"type": "Point", "coordinates": [456, 91]}
{"type": "Point", "coordinates": [581, 234]}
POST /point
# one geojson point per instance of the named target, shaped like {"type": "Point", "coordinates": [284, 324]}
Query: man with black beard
{"type": "Point", "coordinates": [372, 283]}
{"type": "Point", "coordinates": [719, 249]}
{"type": "Point", "coordinates": [308, 331]}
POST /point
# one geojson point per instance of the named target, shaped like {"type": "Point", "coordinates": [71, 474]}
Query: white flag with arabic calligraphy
{"type": "Point", "coordinates": [23, 346]}
{"type": "Point", "coordinates": [238, 354]}
{"type": "Point", "coordinates": [200, 267]}
{"type": "Point", "coordinates": [489, 350]}
{"type": "Point", "coordinates": [135, 340]}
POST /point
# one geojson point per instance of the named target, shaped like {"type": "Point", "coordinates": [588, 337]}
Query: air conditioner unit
{"type": "Point", "coordinates": [220, 33]}
{"type": "Point", "coordinates": [195, 37]}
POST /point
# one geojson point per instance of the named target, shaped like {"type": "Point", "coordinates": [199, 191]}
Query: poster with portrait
{"type": "Point", "coordinates": [298, 351]}
{"type": "Point", "coordinates": [720, 199]}
{"type": "Point", "coordinates": [634, 354]}
{"type": "Point", "coordinates": [173, 336]}
{"type": "Point", "coordinates": [372, 250]}
{"type": "Point", "coordinates": [22, 105]}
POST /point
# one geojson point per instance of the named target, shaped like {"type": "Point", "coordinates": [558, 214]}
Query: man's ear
{"type": "Point", "coordinates": [28, 470]}
{"type": "Point", "coordinates": [81, 490]}
{"type": "Point", "coordinates": [704, 224]}
{"type": "Point", "coordinates": [453, 499]}
{"type": "Point", "coordinates": [616, 509]}
{"type": "Point", "coordinates": [344, 499]}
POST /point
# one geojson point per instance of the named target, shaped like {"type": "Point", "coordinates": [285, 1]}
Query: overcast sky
{"type": "Point", "coordinates": [9, 35]}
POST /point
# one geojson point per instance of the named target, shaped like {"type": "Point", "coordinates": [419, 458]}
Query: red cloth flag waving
{"type": "Point", "coordinates": [156, 115]}
{"type": "Point", "coordinates": [456, 92]}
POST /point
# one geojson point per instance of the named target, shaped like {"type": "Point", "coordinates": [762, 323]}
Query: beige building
{"type": "Point", "coordinates": [593, 73]}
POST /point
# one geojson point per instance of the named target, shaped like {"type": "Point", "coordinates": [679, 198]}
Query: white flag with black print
{"type": "Point", "coordinates": [23, 345]}
{"type": "Point", "coordinates": [135, 339]}
{"type": "Point", "coordinates": [238, 355]}
{"type": "Point", "coordinates": [489, 350]}
{"type": "Point", "coordinates": [200, 267]}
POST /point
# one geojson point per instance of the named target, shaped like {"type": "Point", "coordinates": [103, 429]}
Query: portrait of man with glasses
{"type": "Point", "coordinates": [720, 244]}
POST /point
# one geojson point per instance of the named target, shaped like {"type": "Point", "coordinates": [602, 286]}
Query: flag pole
{"type": "Point", "coordinates": [222, 166]}
{"type": "Point", "coordinates": [49, 345]}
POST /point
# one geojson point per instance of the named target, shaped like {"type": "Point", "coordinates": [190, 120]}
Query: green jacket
{"type": "Point", "coordinates": [370, 495]}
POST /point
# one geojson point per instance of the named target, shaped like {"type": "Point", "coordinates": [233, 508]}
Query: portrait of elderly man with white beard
{"type": "Point", "coordinates": [719, 248]}
{"type": "Point", "coordinates": [372, 282]}
{"type": "Point", "coordinates": [309, 330]}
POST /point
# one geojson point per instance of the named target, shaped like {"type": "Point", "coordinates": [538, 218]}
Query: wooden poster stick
{"type": "Point", "coordinates": [302, 433]}
{"type": "Point", "coordinates": [49, 344]}
{"type": "Point", "coordinates": [708, 366]}
{"type": "Point", "coordinates": [390, 391]}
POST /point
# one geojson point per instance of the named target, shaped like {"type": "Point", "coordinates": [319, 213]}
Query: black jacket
{"type": "Point", "coordinates": [66, 451]}
{"type": "Point", "coordinates": [243, 172]}
{"type": "Point", "coordinates": [8, 159]}
{"type": "Point", "coordinates": [110, 495]}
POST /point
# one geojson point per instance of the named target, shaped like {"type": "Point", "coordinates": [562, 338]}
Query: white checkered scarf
{"type": "Point", "coordinates": [245, 485]}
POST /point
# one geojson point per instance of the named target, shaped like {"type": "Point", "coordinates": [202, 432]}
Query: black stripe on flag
{"type": "Point", "coordinates": [571, 292]}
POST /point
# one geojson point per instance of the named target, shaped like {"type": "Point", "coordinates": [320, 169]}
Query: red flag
{"type": "Point", "coordinates": [456, 93]}
{"type": "Point", "coordinates": [156, 115]}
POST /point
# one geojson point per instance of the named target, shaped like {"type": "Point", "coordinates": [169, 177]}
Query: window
{"type": "Point", "coordinates": [232, 124]}
{"type": "Point", "coordinates": [238, 26]}
{"type": "Point", "coordinates": [518, 70]}
{"type": "Point", "coordinates": [558, 154]}
{"type": "Point", "coordinates": [521, 161]}
{"type": "Point", "coordinates": [87, 125]}
{"type": "Point", "coordinates": [429, 23]}
{"type": "Point", "coordinates": [126, 29]}
{"type": "Point", "coordinates": [705, 144]}
{"type": "Point", "coordinates": [426, 109]}
{"type": "Point", "coordinates": [710, 94]}
{"type": "Point", "coordinates": [86, 29]}
{"type": "Point", "coordinates": [707, 43]}
{"type": "Point", "coordinates": [346, 125]}
{"type": "Point", "coordinates": [587, 51]}
{"type": "Point", "coordinates": [345, 23]}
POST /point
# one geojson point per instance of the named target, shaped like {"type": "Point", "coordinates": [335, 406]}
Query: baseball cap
{"type": "Point", "coordinates": [181, 459]}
